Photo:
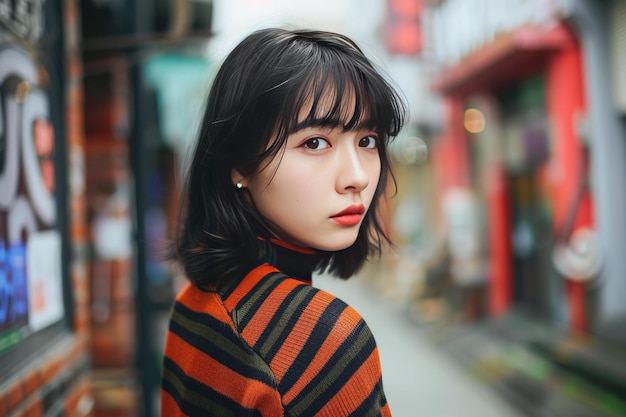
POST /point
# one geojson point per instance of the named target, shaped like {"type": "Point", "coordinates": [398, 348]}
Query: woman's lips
{"type": "Point", "coordinates": [350, 216]}
{"type": "Point", "coordinates": [348, 219]}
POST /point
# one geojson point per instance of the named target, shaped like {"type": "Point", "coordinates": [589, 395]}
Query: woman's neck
{"type": "Point", "coordinates": [292, 260]}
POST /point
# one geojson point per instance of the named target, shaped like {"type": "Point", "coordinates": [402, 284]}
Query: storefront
{"type": "Point", "coordinates": [532, 129]}
{"type": "Point", "coordinates": [515, 136]}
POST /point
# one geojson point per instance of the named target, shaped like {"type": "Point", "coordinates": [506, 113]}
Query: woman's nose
{"type": "Point", "coordinates": [353, 173]}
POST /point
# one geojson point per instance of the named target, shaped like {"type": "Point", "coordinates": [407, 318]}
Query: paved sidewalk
{"type": "Point", "coordinates": [419, 380]}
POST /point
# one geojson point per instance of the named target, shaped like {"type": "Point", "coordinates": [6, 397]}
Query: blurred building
{"type": "Point", "coordinates": [88, 196]}
{"type": "Point", "coordinates": [44, 309]}
{"type": "Point", "coordinates": [144, 68]}
{"type": "Point", "coordinates": [529, 204]}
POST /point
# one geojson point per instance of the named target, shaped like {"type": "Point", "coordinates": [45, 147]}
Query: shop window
{"type": "Point", "coordinates": [33, 215]}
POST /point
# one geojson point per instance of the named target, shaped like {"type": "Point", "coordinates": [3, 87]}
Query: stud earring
{"type": "Point", "coordinates": [239, 185]}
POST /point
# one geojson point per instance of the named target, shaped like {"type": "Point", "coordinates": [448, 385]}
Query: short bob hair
{"type": "Point", "coordinates": [254, 104]}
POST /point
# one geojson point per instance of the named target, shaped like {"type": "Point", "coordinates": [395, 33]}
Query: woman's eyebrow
{"type": "Point", "coordinates": [317, 123]}
{"type": "Point", "coordinates": [332, 123]}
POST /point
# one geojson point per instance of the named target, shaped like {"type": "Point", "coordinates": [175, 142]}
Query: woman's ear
{"type": "Point", "coordinates": [238, 180]}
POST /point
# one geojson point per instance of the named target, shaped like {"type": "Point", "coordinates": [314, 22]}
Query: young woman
{"type": "Point", "coordinates": [286, 175]}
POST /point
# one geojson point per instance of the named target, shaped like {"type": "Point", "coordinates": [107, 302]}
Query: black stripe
{"type": "Point", "coordinates": [227, 288]}
{"type": "Point", "coordinates": [251, 303]}
{"type": "Point", "coordinates": [203, 320]}
{"type": "Point", "coordinates": [278, 321]}
{"type": "Point", "coordinates": [218, 341]}
{"type": "Point", "coordinates": [197, 399]}
{"type": "Point", "coordinates": [335, 374]}
{"type": "Point", "coordinates": [370, 407]}
{"type": "Point", "coordinates": [292, 315]}
{"type": "Point", "coordinates": [313, 344]}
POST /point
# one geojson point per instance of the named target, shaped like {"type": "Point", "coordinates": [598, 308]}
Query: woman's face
{"type": "Point", "coordinates": [317, 192]}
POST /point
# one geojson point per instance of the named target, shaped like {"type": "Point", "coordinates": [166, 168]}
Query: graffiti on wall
{"type": "Point", "coordinates": [30, 244]}
{"type": "Point", "coordinates": [25, 18]}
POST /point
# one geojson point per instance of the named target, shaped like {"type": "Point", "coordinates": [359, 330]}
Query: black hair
{"type": "Point", "coordinates": [253, 106]}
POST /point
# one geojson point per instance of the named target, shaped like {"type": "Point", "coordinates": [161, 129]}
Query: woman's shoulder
{"type": "Point", "coordinates": [289, 312]}
{"type": "Point", "coordinates": [330, 312]}
{"type": "Point", "coordinates": [304, 304]}
{"type": "Point", "coordinates": [272, 311]}
{"type": "Point", "coordinates": [323, 350]}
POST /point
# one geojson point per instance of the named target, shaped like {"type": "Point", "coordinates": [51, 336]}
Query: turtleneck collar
{"type": "Point", "coordinates": [294, 261]}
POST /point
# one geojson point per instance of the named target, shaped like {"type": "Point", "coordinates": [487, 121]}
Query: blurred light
{"type": "Point", "coordinates": [412, 150]}
{"type": "Point", "coordinates": [22, 91]}
{"type": "Point", "coordinates": [474, 121]}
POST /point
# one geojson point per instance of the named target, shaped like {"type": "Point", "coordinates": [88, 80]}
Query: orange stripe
{"type": "Point", "coordinates": [344, 325]}
{"type": "Point", "coordinates": [221, 378]}
{"type": "Point", "coordinates": [169, 407]}
{"type": "Point", "coordinates": [356, 389]}
{"type": "Point", "coordinates": [205, 302]}
{"type": "Point", "coordinates": [267, 311]}
{"type": "Point", "coordinates": [247, 284]}
{"type": "Point", "coordinates": [300, 333]}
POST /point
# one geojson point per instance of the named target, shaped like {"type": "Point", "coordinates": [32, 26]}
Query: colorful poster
{"type": "Point", "coordinates": [31, 290]}
{"type": "Point", "coordinates": [45, 296]}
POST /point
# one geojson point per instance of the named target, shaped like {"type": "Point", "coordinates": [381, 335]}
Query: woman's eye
{"type": "Point", "coordinates": [316, 144]}
{"type": "Point", "coordinates": [369, 142]}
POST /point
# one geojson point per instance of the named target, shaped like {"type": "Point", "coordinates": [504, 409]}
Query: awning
{"type": "Point", "coordinates": [510, 57]}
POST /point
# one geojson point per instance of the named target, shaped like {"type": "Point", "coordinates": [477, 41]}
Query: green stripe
{"type": "Point", "coordinates": [217, 339]}
{"type": "Point", "coordinates": [256, 293]}
{"type": "Point", "coordinates": [193, 397]}
{"type": "Point", "coordinates": [376, 407]}
{"type": "Point", "coordinates": [341, 365]}
{"type": "Point", "coordinates": [285, 316]}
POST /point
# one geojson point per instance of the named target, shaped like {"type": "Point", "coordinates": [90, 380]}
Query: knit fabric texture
{"type": "Point", "coordinates": [270, 345]}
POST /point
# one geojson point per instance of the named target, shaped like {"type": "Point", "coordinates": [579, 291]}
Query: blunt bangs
{"type": "Point", "coordinates": [332, 87]}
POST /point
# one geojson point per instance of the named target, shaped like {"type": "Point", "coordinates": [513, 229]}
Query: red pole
{"type": "Point", "coordinates": [565, 105]}
{"type": "Point", "coordinates": [500, 270]}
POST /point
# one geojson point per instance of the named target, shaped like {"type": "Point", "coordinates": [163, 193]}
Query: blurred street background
{"type": "Point", "coordinates": [505, 293]}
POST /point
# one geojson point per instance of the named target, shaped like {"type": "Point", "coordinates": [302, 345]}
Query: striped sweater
{"type": "Point", "coordinates": [270, 345]}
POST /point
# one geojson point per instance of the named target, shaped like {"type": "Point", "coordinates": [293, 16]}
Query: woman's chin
{"type": "Point", "coordinates": [335, 245]}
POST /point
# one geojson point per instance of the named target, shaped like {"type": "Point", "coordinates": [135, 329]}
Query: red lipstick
{"type": "Point", "coordinates": [350, 216]}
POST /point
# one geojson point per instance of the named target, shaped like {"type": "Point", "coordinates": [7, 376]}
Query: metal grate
{"type": "Point", "coordinates": [617, 33]}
